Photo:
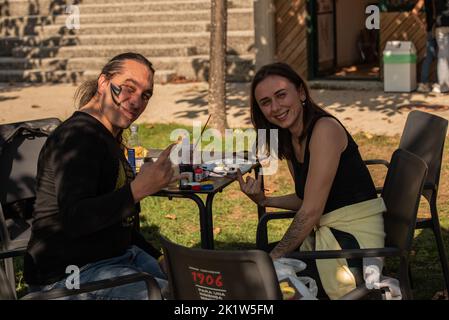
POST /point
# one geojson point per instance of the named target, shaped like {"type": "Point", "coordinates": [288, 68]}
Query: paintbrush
{"type": "Point", "coordinates": [201, 134]}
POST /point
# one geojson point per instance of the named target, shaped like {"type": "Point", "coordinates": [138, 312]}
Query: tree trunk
{"type": "Point", "coordinates": [217, 71]}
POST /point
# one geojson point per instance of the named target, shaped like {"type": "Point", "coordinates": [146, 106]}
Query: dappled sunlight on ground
{"type": "Point", "coordinates": [375, 112]}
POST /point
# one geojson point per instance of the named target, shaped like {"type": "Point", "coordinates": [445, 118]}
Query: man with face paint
{"type": "Point", "coordinates": [87, 196]}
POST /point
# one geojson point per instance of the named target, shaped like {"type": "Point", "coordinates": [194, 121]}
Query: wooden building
{"type": "Point", "coordinates": [329, 38]}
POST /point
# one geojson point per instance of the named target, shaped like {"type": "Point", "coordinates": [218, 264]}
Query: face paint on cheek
{"type": "Point", "coordinates": [115, 92]}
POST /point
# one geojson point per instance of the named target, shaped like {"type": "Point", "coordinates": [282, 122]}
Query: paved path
{"type": "Point", "coordinates": [375, 112]}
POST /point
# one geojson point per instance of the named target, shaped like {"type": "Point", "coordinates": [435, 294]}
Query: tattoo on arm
{"type": "Point", "coordinates": [293, 237]}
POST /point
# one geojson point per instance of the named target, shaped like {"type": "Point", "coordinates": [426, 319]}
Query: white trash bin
{"type": "Point", "coordinates": [399, 58]}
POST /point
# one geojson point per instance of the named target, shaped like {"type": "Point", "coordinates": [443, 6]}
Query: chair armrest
{"type": "Point", "coordinates": [19, 244]}
{"type": "Point", "coordinates": [424, 223]}
{"type": "Point", "coordinates": [358, 293]}
{"type": "Point", "coordinates": [154, 292]}
{"type": "Point", "coordinates": [262, 232]}
{"type": "Point", "coordinates": [346, 254]}
{"type": "Point", "coordinates": [277, 215]}
{"type": "Point", "coordinates": [374, 162]}
{"type": "Point", "coordinates": [5, 254]}
{"type": "Point", "coordinates": [377, 161]}
{"type": "Point", "coordinates": [430, 186]}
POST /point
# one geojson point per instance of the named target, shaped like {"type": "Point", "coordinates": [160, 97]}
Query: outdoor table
{"type": "Point", "coordinates": [205, 208]}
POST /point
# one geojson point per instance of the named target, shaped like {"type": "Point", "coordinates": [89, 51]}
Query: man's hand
{"type": "Point", "coordinates": [154, 176]}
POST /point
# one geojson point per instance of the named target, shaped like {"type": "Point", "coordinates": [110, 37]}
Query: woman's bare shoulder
{"type": "Point", "coordinates": [328, 129]}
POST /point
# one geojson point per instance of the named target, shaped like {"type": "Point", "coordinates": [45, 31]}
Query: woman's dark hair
{"type": "Point", "coordinates": [310, 109]}
{"type": "Point", "coordinates": [87, 90]}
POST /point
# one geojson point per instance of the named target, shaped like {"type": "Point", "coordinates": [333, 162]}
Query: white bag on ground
{"type": "Point", "coordinates": [372, 273]}
{"type": "Point", "coordinates": [286, 269]}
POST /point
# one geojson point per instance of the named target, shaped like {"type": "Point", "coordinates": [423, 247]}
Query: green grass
{"type": "Point", "coordinates": [235, 216]}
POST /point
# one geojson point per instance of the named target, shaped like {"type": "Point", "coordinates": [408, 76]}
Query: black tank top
{"type": "Point", "coordinates": [352, 182]}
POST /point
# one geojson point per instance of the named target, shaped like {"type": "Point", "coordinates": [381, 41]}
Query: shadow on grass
{"type": "Point", "coordinates": [152, 233]}
{"type": "Point", "coordinates": [232, 245]}
{"type": "Point", "coordinates": [426, 272]}
{"type": "Point", "coordinates": [427, 275]}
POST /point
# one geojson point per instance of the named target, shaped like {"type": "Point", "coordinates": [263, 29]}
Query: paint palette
{"type": "Point", "coordinates": [224, 167]}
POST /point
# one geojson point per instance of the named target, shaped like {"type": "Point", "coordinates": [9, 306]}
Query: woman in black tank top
{"type": "Point", "coordinates": [324, 160]}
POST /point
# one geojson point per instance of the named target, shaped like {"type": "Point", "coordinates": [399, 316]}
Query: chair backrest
{"type": "Point", "coordinates": [401, 193]}
{"type": "Point", "coordinates": [424, 135]}
{"type": "Point", "coordinates": [20, 145]}
{"type": "Point", "coordinates": [200, 274]}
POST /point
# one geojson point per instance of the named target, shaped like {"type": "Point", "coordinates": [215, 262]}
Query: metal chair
{"type": "Point", "coordinates": [20, 145]}
{"type": "Point", "coordinates": [424, 135]}
{"type": "Point", "coordinates": [402, 191]}
{"type": "Point", "coordinates": [200, 274]}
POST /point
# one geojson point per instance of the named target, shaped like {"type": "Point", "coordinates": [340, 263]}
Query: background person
{"type": "Point", "coordinates": [441, 15]}
{"type": "Point", "coordinates": [431, 44]}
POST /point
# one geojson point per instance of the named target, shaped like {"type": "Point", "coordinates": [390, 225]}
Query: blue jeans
{"type": "Point", "coordinates": [431, 53]}
{"type": "Point", "coordinates": [134, 260]}
{"type": "Point", "coordinates": [442, 36]}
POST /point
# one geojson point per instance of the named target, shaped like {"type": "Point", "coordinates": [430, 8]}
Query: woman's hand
{"type": "Point", "coordinates": [252, 188]}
